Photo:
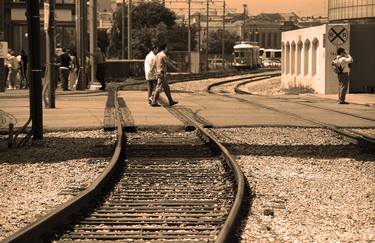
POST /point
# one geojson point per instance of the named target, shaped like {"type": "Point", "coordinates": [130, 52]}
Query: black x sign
{"type": "Point", "coordinates": [337, 36]}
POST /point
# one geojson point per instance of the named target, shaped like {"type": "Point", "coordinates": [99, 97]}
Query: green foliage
{"type": "Point", "coordinates": [152, 23]}
{"type": "Point", "coordinates": [215, 42]}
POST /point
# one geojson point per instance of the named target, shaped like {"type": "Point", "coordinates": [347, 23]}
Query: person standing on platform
{"type": "Point", "coordinates": [73, 70]}
{"type": "Point", "coordinates": [343, 61]}
{"type": "Point", "coordinates": [13, 70]}
{"type": "Point", "coordinates": [23, 70]}
{"type": "Point", "coordinates": [150, 72]}
{"type": "Point", "coordinates": [161, 63]}
{"type": "Point", "coordinates": [100, 67]}
{"type": "Point", "coordinates": [64, 69]}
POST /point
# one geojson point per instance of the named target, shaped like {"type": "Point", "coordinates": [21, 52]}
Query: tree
{"type": "Point", "coordinates": [151, 23]}
{"type": "Point", "coordinates": [215, 42]}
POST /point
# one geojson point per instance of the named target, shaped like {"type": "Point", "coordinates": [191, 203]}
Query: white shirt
{"type": "Point", "coordinates": [150, 71]}
{"type": "Point", "coordinates": [344, 62]}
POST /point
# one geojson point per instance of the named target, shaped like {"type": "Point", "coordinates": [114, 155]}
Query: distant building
{"type": "Point", "coordinates": [16, 23]}
{"type": "Point", "coordinates": [351, 11]}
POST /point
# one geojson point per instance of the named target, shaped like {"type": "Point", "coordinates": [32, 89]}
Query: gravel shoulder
{"type": "Point", "coordinates": [36, 179]}
{"type": "Point", "coordinates": [307, 185]}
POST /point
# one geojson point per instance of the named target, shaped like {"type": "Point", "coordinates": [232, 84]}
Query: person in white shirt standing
{"type": "Point", "coordinates": [343, 60]}
{"type": "Point", "coordinates": [150, 72]}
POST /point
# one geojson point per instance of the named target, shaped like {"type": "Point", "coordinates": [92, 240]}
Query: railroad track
{"type": "Point", "coordinates": [169, 188]}
{"type": "Point", "coordinates": [225, 87]}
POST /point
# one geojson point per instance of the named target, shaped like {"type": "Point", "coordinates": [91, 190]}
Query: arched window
{"type": "Point", "coordinates": [306, 50]}
{"type": "Point", "coordinates": [314, 57]}
{"type": "Point", "coordinates": [299, 57]}
{"type": "Point", "coordinates": [293, 58]}
{"type": "Point", "coordinates": [287, 57]}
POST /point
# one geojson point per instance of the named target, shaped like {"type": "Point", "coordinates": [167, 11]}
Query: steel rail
{"type": "Point", "coordinates": [351, 136]}
{"type": "Point", "coordinates": [227, 232]}
{"type": "Point", "coordinates": [249, 78]}
{"type": "Point", "coordinates": [238, 90]}
{"type": "Point", "coordinates": [36, 232]}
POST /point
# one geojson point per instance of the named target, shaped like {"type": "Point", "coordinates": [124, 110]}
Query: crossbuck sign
{"type": "Point", "coordinates": [338, 35]}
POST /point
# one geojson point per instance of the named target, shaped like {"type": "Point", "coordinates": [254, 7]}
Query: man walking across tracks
{"type": "Point", "coordinates": [150, 72]}
{"type": "Point", "coordinates": [161, 69]}
{"type": "Point", "coordinates": [342, 63]}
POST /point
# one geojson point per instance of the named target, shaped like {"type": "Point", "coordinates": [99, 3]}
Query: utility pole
{"type": "Point", "coordinates": [82, 44]}
{"type": "Point", "coordinates": [207, 36]}
{"type": "Point", "coordinates": [36, 111]}
{"type": "Point", "coordinates": [130, 52]}
{"type": "Point", "coordinates": [223, 37]}
{"type": "Point", "coordinates": [199, 42]}
{"type": "Point", "coordinates": [50, 50]}
{"type": "Point", "coordinates": [123, 30]}
{"type": "Point", "coordinates": [93, 38]}
{"type": "Point", "coordinates": [2, 38]}
{"type": "Point", "coordinates": [189, 37]}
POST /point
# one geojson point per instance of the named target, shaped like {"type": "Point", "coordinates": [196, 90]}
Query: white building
{"type": "Point", "coordinates": [307, 56]}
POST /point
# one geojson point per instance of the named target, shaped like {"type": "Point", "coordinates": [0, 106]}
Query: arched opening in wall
{"type": "Point", "coordinates": [306, 60]}
{"type": "Point", "coordinates": [299, 57]}
{"type": "Point", "coordinates": [283, 61]}
{"type": "Point", "coordinates": [287, 58]}
{"type": "Point", "coordinates": [314, 57]}
{"type": "Point", "coordinates": [293, 58]}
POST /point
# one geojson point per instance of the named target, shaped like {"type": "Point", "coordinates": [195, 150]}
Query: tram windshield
{"type": "Point", "coordinates": [239, 54]}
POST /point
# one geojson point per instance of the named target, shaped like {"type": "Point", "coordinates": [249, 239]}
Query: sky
{"type": "Point", "coordinates": [300, 7]}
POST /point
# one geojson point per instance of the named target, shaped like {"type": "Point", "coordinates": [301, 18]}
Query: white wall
{"type": "Point", "coordinates": [307, 55]}
{"type": "Point", "coordinates": [304, 58]}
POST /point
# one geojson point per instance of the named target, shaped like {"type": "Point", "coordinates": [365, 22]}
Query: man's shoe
{"type": "Point", "coordinates": [155, 105]}
{"type": "Point", "coordinates": [173, 103]}
{"type": "Point", "coordinates": [343, 103]}
{"type": "Point", "coordinates": [150, 100]}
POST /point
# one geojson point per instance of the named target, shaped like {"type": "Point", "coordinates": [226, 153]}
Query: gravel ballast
{"type": "Point", "coordinates": [307, 185]}
{"type": "Point", "coordinates": [34, 180]}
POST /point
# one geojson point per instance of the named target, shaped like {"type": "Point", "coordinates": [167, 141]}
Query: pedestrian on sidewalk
{"type": "Point", "coordinates": [64, 69]}
{"type": "Point", "coordinates": [100, 67]}
{"type": "Point", "coordinates": [161, 63]}
{"type": "Point", "coordinates": [73, 74]}
{"type": "Point", "coordinates": [343, 61]}
{"type": "Point", "coordinates": [6, 67]}
{"type": "Point", "coordinates": [150, 72]}
{"type": "Point", "coordinates": [23, 70]}
{"type": "Point", "coordinates": [13, 70]}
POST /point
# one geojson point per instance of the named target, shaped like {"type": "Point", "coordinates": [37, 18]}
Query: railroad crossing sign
{"type": "Point", "coordinates": [338, 35]}
{"type": "Point", "coordinates": [3, 49]}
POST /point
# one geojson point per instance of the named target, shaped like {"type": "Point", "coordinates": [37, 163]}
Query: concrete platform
{"type": "Point", "coordinates": [80, 110]}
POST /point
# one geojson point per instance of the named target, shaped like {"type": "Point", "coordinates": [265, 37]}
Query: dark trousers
{"type": "Point", "coordinates": [150, 87]}
{"type": "Point", "coordinates": [162, 84]}
{"type": "Point", "coordinates": [343, 86]}
{"type": "Point", "coordinates": [64, 77]}
{"type": "Point", "coordinates": [100, 74]}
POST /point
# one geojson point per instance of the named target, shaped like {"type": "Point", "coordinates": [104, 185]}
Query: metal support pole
{"type": "Point", "coordinates": [93, 38]}
{"type": "Point", "coordinates": [2, 38]}
{"type": "Point", "coordinates": [207, 36]}
{"type": "Point", "coordinates": [82, 81]}
{"type": "Point", "coordinates": [130, 52]}
{"type": "Point", "coordinates": [199, 42]}
{"type": "Point", "coordinates": [50, 52]}
{"type": "Point", "coordinates": [189, 37]}
{"type": "Point", "coordinates": [33, 23]}
{"type": "Point", "coordinates": [223, 37]}
{"type": "Point", "coordinates": [123, 30]}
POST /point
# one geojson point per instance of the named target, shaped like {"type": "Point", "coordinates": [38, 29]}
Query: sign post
{"type": "Point", "coordinates": [337, 35]}
{"type": "Point", "coordinates": [2, 38]}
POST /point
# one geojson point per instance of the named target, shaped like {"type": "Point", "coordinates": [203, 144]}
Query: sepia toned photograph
{"type": "Point", "coordinates": [187, 121]}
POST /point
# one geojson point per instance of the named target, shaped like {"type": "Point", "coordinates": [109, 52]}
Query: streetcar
{"type": "Point", "coordinates": [246, 56]}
